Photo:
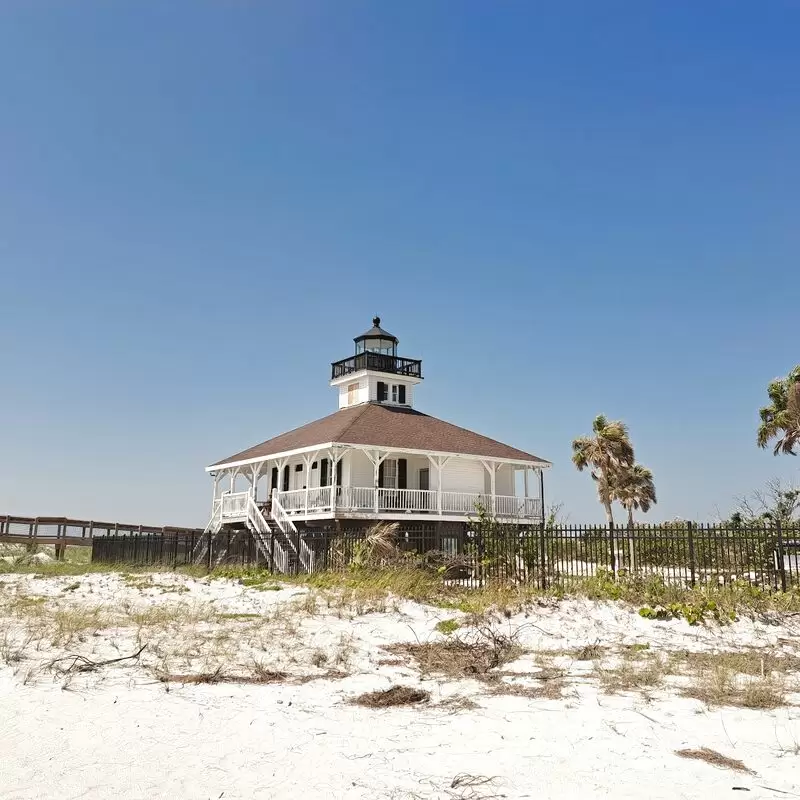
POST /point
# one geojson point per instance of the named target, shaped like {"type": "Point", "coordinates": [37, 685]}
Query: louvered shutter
{"type": "Point", "coordinates": [380, 476]}
{"type": "Point", "coordinates": [383, 392]}
{"type": "Point", "coordinates": [323, 472]}
{"type": "Point", "coordinates": [402, 473]}
{"type": "Point", "coordinates": [401, 396]}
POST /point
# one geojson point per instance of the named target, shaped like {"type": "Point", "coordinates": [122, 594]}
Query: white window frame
{"type": "Point", "coordinates": [390, 473]}
{"type": "Point", "coordinates": [395, 393]}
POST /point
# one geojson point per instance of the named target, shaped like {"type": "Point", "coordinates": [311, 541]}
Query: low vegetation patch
{"type": "Point", "coordinates": [395, 696]}
{"type": "Point", "coordinates": [448, 626]}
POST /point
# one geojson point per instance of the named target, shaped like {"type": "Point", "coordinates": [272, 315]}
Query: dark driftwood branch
{"type": "Point", "coordinates": [83, 664]}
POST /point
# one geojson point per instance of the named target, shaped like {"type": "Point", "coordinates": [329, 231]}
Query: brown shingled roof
{"type": "Point", "coordinates": [384, 426]}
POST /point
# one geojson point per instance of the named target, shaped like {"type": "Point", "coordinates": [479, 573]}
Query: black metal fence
{"type": "Point", "coordinates": [686, 554]}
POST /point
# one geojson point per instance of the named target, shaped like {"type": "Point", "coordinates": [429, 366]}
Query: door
{"type": "Point", "coordinates": [298, 477]}
{"type": "Point", "coordinates": [425, 483]}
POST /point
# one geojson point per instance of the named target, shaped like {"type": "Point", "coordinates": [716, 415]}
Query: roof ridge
{"type": "Point", "coordinates": [354, 419]}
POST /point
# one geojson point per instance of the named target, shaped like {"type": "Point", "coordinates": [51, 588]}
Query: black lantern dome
{"type": "Point", "coordinates": [376, 340]}
{"type": "Point", "coordinates": [376, 351]}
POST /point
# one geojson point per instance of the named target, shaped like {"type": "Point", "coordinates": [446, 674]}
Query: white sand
{"type": "Point", "coordinates": [120, 733]}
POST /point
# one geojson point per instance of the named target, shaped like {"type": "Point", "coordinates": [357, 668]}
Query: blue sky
{"type": "Point", "coordinates": [564, 208]}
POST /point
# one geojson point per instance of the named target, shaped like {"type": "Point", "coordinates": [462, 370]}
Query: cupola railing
{"type": "Point", "coordinates": [380, 362]}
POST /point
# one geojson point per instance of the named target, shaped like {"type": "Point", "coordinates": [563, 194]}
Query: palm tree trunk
{"type": "Point", "coordinates": [609, 514]}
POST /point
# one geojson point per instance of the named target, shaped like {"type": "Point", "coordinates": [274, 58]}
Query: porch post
{"type": "Point", "coordinates": [491, 468]}
{"type": "Point", "coordinates": [377, 459]}
{"type": "Point", "coordinates": [255, 474]}
{"type": "Point", "coordinates": [336, 457]}
{"type": "Point", "coordinates": [280, 463]}
{"type": "Point", "coordinates": [216, 477]}
{"type": "Point", "coordinates": [309, 459]}
{"type": "Point", "coordinates": [541, 493]}
{"type": "Point", "coordinates": [438, 464]}
{"type": "Point", "coordinates": [525, 473]}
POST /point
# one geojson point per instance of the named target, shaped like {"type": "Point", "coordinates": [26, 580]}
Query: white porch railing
{"type": "Point", "coordinates": [412, 501]}
{"type": "Point", "coordinates": [320, 497]}
{"type": "Point", "coordinates": [464, 502]}
{"type": "Point", "coordinates": [406, 500]}
{"type": "Point", "coordinates": [294, 500]}
{"type": "Point", "coordinates": [234, 506]}
{"type": "Point", "coordinates": [356, 498]}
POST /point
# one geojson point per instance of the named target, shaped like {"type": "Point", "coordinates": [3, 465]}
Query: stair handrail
{"type": "Point", "coordinates": [276, 552]}
{"type": "Point", "coordinates": [304, 552]}
{"type": "Point", "coordinates": [280, 516]}
{"type": "Point", "coordinates": [213, 527]}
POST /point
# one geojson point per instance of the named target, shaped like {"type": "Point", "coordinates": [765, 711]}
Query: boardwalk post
{"type": "Point", "coordinates": [61, 540]}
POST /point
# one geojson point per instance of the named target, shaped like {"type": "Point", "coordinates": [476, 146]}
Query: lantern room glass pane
{"type": "Point", "coordinates": [378, 345]}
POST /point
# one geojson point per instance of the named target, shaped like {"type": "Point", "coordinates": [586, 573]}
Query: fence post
{"type": "Point", "coordinates": [542, 556]}
{"type": "Point", "coordinates": [632, 549]}
{"type": "Point", "coordinates": [781, 559]}
{"type": "Point", "coordinates": [210, 558]}
{"type": "Point", "coordinates": [612, 541]}
{"type": "Point", "coordinates": [690, 538]}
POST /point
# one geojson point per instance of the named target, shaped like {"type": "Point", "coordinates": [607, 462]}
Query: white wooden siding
{"type": "Point", "coordinates": [462, 476]}
{"type": "Point", "coordinates": [504, 480]}
{"type": "Point", "coordinates": [361, 395]}
{"type": "Point", "coordinates": [362, 472]}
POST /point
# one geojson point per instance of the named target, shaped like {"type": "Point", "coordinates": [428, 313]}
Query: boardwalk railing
{"type": "Point", "coordinates": [686, 555]}
{"type": "Point", "coordinates": [59, 532]}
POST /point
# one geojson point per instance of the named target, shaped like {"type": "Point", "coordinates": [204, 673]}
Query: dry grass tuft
{"type": "Point", "coordinates": [547, 690]}
{"type": "Point", "coordinates": [714, 758]}
{"type": "Point", "coordinates": [631, 673]}
{"type": "Point", "coordinates": [258, 677]}
{"type": "Point", "coordinates": [473, 655]}
{"type": "Point", "coordinates": [590, 652]}
{"type": "Point", "coordinates": [458, 703]}
{"type": "Point", "coordinates": [721, 686]}
{"type": "Point", "coordinates": [395, 696]}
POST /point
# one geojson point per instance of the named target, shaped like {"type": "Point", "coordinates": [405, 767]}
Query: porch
{"type": "Point", "coordinates": [401, 504]}
{"type": "Point", "coordinates": [363, 482]}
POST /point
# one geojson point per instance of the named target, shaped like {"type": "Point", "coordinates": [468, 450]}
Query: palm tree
{"type": "Point", "coordinates": [781, 419]}
{"type": "Point", "coordinates": [636, 490]}
{"type": "Point", "coordinates": [607, 454]}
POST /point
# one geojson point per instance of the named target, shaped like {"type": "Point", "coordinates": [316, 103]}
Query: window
{"type": "Point", "coordinates": [390, 473]}
{"type": "Point", "coordinates": [352, 394]}
{"type": "Point", "coordinates": [394, 393]}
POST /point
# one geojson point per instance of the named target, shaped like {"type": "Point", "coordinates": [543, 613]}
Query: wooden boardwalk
{"type": "Point", "coordinates": [59, 532]}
